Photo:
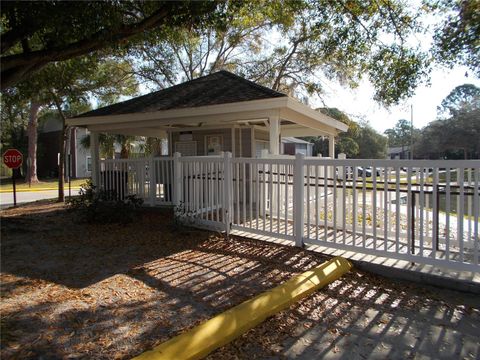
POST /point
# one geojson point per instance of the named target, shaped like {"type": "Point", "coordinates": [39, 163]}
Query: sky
{"type": "Point", "coordinates": [359, 103]}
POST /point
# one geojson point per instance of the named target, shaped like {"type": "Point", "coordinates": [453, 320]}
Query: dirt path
{"type": "Point", "coordinates": [71, 290]}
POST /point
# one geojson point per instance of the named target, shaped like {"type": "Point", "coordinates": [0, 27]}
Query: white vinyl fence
{"type": "Point", "coordinates": [148, 178]}
{"type": "Point", "coordinates": [421, 211]}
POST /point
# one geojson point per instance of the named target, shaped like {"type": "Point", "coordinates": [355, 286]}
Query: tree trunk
{"type": "Point", "coordinates": [63, 150]}
{"type": "Point", "coordinates": [61, 161]}
{"type": "Point", "coordinates": [32, 143]}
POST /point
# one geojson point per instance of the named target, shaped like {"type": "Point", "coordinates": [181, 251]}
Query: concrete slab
{"type": "Point", "coordinates": [432, 275]}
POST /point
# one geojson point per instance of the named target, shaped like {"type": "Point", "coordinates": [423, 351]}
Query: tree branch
{"type": "Point", "coordinates": [15, 67]}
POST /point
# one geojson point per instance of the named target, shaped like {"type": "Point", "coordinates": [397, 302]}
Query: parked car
{"type": "Point", "coordinates": [367, 172]}
{"type": "Point", "coordinates": [361, 172]}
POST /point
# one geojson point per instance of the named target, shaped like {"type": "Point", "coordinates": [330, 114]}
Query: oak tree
{"type": "Point", "coordinates": [35, 34]}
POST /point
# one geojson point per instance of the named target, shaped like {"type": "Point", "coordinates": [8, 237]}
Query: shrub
{"type": "Point", "coordinates": [100, 206]}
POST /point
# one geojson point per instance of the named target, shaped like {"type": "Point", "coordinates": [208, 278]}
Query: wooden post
{"type": "Point", "coordinates": [298, 198]}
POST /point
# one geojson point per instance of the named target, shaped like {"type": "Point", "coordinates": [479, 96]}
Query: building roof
{"type": "Point", "coordinates": [221, 87]}
{"type": "Point", "coordinates": [294, 140]}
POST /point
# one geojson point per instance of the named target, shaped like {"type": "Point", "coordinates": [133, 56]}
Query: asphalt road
{"type": "Point", "coordinates": [6, 199]}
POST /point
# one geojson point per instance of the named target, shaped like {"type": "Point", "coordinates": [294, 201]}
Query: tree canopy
{"type": "Point", "coordinates": [361, 141]}
{"type": "Point", "coordinates": [288, 45]}
{"type": "Point", "coordinates": [457, 37]}
{"type": "Point", "coordinates": [402, 134]}
{"type": "Point", "coordinates": [462, 99]}
{"type": "Point", "coordinates": [293, 46]}
{"type": "Point", "coordinates": [456, 133]}
{"type": "Point", "coordinates": [37, 33]}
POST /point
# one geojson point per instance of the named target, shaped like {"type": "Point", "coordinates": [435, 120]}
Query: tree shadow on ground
{"type": "Point", "coordinates": [55, 247]}
{"type": "Point", "coordinates": [362, 316]}
{"type": "Point", "coordinates": [103, 291]}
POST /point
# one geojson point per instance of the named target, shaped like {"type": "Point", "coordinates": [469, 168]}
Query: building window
{"type": "Point", "coordinates": [213, 144]}
{"type": "Point", "coordinates": [89, 163]}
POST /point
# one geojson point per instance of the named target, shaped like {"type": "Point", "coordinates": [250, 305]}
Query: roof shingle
{"type": "Point", "coordinates": [221, 87]}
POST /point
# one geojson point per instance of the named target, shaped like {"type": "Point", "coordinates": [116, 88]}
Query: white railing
{"type": "Point", "coordinates": [421, 211]}
{"type": "Point", "coordinates": [148, 178]}
{"type": "Point", "coordinates": [201, 190]}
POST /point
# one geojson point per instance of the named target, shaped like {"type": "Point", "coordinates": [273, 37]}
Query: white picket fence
{"type": "Point", "coordinates": [148, 178]}
{"type": "Point", "coordinates": [421, 211]}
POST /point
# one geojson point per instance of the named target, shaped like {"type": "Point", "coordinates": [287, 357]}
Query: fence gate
{"type": "Point", "coordinates": [202, 196]}
{"type": "Point", "coordinates": [148, 178]}
{"type": "Point", "coordinates": [262, 199]}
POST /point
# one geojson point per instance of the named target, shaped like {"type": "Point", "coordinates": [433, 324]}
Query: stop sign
{"type": "Point", "coordinates": [12, 158]}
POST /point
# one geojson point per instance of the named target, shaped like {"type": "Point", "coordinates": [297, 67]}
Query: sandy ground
{"type": "Point", "coordinates": [73, 290]}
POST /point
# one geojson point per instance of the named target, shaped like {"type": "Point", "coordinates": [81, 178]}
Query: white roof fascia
{"type": "Point", "coordinates": [293, 140]}
{"type": "Point", "coordinates": [317, 115]}
{"type": "Point", "coordinates": [206, 127]}
{"type": "Point", "coordinates": [306, 121]}
{"type": "Point", "coordinates": [142, 132]}
{"type": "Point", "coordinates": [171, 115]}
{"type": "Point", "coordinates": [219, 119]}
{"type": "Point", "coordinates": [302, 131]}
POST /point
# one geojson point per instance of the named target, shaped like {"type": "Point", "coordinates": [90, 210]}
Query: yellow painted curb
{"type": "Point", "coordinates": [223, 328]}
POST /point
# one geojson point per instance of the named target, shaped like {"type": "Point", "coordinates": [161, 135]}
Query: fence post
{"type": "Point", "coordinates": [227, 189]}
{"type": "Point", "coordinates": [152, 180]}
{"type": "Point", "coordinates": [177, 175]}
{"type": "Point", "coordinates": [340, 206]}
{"type": "Point", "coordinates": [298, 198]}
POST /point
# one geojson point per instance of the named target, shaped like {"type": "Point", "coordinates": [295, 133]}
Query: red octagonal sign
{"type": "Point", "coordinates": [12, 158]}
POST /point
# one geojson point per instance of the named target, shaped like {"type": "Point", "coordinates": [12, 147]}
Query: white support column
{"type": "Point", "coordinates": [298, 199]}
{"type": "Point", "coordinates": [331, 146]}
{"type": "Point", "coordinates": [95, 154]}
{"type": "Point", "coordinates": [274, 135]}
{"type": "Point", "coordinates": [234, 150]}
{"type": "Point", "coordinates": [178, 183]}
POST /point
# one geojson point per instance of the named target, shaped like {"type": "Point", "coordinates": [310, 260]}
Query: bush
{"type": "Point", "coordinates": [100, 206]}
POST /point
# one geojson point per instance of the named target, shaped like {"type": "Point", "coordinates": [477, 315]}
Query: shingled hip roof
{"type": "Point", "coordinates": [221, 87]}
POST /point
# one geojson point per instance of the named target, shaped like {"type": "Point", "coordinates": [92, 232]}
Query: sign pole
{"type": "Point", "coordinates": [13, 159]}
{"type": "Point", "coordinates": [14, 188]}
